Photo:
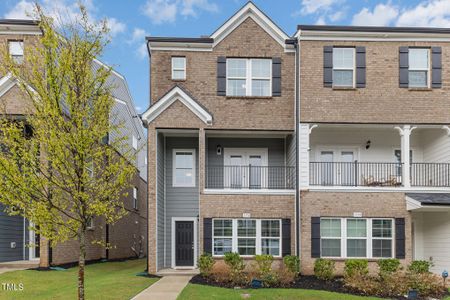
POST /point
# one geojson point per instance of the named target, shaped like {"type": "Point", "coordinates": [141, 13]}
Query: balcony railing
{"type": "Point", "coordinates": [355, 173]}
{"type": "Point", "coordinates": [430, 174]}
{"type": "Point", "coordinates": [250, 177]}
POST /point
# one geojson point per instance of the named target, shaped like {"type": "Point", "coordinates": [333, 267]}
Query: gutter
{"type": "Point", "coordinates": [297, 152]}
{"type": "Point", "coordinates": [146, 126]}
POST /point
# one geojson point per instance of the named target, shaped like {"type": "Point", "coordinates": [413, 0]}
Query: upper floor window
{"type": "Point", "coordinates": [343, 67]}
{"type": "Point", "coordinates": [178, 68]}
{"type": "Point", "coordinates": [419, 67]}
{"type": "Point", "coordinates": [183, 168]}
{"type": "Point", "coordinates": [135, 197]}
{"type": "Point", "coordinates": [16, 50]}
{"type": "Point", "coordinates": [249, 77]}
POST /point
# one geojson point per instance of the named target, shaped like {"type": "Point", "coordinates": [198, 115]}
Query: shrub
{"type": "Point", "coordinates": [292, 264]}
{"type": "Point", "coordinates": [285, 276]}
{"type": "Point", "coordinates": [220, 272]}
{"type": "Point", "coordinates": [236, 264]}
{"type": "Point", "coordinates": [205, 264]}
{"type": "Point", "coordinates": [388, 266]}
{"type": "Point", "coordinates": [324, 269]}
{"type": "Point", "coordinates": [264, 263]}
{"type": "Point", "coordinates": [359, 267]}
{"type": "Point", "coordinates": [426, 284]}
{"type": "Point", "coordinates": [420, 266]}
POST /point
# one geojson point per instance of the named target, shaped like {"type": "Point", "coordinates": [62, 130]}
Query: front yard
{"type": "Point", "coordinates": [109, 280]}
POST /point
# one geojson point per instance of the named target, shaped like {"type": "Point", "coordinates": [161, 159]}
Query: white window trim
{"type": "Point", "coordinates": [135, 143]}
{"type": "Point", "coordinates": [174, 219]}
{"type": "Point", "coordinates": [346, 69]}
{"type": "Point", "coordinates": [15, 55]}
{"type": "Point", "coordinates": [135, 198]}
{"type": "Point", "coordinates": [369, 238]}
{"type": "Point", "coordinates": [178, 69]}
{"type": "Point", "coordinates": [91, 224]}
{"type": "Point", "coordinates": [428, 70]}
{"type": "Point", "coordinates": [258, 237]}
{"type": "Point", "coordinates": [248, 77]}
{"type": "Point", "coordinates": [174, 167]}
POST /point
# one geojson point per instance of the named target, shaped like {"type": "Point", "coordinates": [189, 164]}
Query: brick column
{"type": "Point", "coordinates": [152, 181]}
{"type": "Point", "coordinates": [44, 248]}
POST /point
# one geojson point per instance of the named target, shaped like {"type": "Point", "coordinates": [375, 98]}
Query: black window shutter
{"type": "Point", "coordinates": [360, 67]}
{"type": "Point", "coordinates": [207, 235]}
{"type": "Point", "coordinates": [286, 238]}
{"type": "Point", "coordinates": [276, 77]}
{"type": "Point", "coordinates": [328, 66]}
{"type": "Point", "coordinates": [400, 238]}
{"type": "Point", "coordinates": [403, 67]}
{"type": "Point", "coordinates": [315, 236]}
{"type": "Point", "coordinates": [221, 76]}
{"type": "Point", "coordinates": [436, 66]}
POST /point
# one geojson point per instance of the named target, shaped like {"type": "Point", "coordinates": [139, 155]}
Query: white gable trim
{"type": "Point", "coordinates": [176, 94]}
{"type": "Point", "coordinates": [6, 83]}
{"type": "Point", "coordinates": [250, 11]}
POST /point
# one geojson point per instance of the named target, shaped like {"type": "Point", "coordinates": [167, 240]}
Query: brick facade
{"type": "Point", "coordinates": [382, 100]}
{"type": "Point", "coordinates": [344, 204]}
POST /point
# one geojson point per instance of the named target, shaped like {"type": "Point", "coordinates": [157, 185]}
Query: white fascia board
{"type": "Point", "coordinates": [313, 35]}
{"type": "Point", "coordinates": [176, 94]}
{"type": "Point", "coordinates": [8, 81]}
{"type": "Point", "coordinates": [174, 46]}
{"type": "Point", "coordinates": [250, 10]}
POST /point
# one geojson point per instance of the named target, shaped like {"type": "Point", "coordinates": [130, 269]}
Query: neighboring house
{"type": "Point", "coordinates": [221, 141]}
{"type": "Point", "coordinates": [374, 145]}
{"type": "Point", "coordinates": [15, 237]}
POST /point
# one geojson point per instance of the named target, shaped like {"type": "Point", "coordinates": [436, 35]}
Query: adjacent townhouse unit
{"type": "Point", "coordinates": [221, 138]}
{"type": "Point", "coordinates": [17, 242]}
{"type": "Point", "coordinates": [374, 144]}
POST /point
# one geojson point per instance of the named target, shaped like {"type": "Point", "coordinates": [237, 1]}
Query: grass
{"type": "Point", "coordinates": [109, 280]}
{"type": "Point", "coordinates": [199, 292]}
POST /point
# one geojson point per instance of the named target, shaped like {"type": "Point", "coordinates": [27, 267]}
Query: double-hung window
{"type": "Point", "coordinates": [16, 51]}
{"type": "Point", "coordinates": [343, 67]}
{"type": "Point", "coordinates": [178, 68]}
{"type": "Point", "coordinates": [419, 67]}
{"type": "Point", "coordinates": [249, 77]}
{"type": "Point", "coordinates": [247, 237]}
{"type": "Point", "coordinates": [356, 237]}
{"type": "Point", "coordinates": [183, 168]}
{"type": "Point", "coordinates": [135, 198]}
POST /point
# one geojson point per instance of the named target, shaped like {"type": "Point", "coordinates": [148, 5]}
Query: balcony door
{"type": "Point", "coordinates": [337, 166]}
{"type": "Point", "coordinates": [245, 168]}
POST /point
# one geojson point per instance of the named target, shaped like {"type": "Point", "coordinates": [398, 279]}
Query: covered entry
{"type": "Point", "coordinates": [184, 239]}
{"type": "Point", "coordinates": [431, 228]}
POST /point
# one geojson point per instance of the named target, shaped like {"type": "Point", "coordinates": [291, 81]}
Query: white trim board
{"type": "Point", "coordinates": [177, 94]}
{"type": "Point", "coordinates": [174, 219]}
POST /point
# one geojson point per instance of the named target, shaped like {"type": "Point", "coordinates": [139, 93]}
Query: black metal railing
{"type": "Point", "coordinates": [250, 177]}
{"type": "Point", "coordinates": [372, 174]}
{"type": "Point", "coordinates": [430, 174]}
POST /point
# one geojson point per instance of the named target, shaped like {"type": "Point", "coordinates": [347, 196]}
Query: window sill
{"type": "Point", "coordinates": [344, 88]}
{"type": "Point", "coordinates": [246, 257]}
{"type": "Point", "coordinates": [178, 80]}
{"type": "Point", "coordinates": [368, 259]}
{"type": "Point", "coordinates": [248, 97]}
{"type": "Point", "coordinates": [421, 89]}
{"type": "Point", "coordinates": [90, 228]}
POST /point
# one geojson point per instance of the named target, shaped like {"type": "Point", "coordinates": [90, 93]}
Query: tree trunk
{"type": "Point", "coordinates": [81, 263]}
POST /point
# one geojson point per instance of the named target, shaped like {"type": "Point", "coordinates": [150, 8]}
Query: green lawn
{"type": "Point", "coordinates": [200, 292]}
{"type": "Point", "coordinates": [109, 280]}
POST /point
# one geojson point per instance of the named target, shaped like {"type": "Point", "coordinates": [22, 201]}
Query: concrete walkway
{"type": "Point", "coordinates": [167, 288]}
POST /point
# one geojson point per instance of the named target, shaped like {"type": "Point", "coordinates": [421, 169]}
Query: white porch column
{"type": "Point", "coordinates": [405, 133]}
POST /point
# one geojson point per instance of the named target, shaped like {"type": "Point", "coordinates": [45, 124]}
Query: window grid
{"type": "Point", "coordinates": [415, 68]}
{"type": "Point", "coordinates": [184, 182]}
{"type": "Point", "coordinates": [250, 80]}
{"type": "Point", "coordinates": [369, 237]}
{"type": "Point", "coordinates": [178, 72]}
{"type": "Point", "coordinates": [341, 69]}
{"type": "Point", "coordinates": [246, 240]}
{"type": "Point", "coordinates": [16, 50]}
{"type": "Point", "coordinates": [222, 241]}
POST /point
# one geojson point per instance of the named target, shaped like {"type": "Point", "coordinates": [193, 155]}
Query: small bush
{"type": "Point", "coordinates": [359, 267]}
{"type": "Point", "coordinates": [264, 263]}
{"type": "Point", "coordinates": [388, 266]}
{"type": "Point", "coordinates": [285, 276]}
{"type": "Point", "coordinates": [292, 264]}
{"type": "Point", "coordinates": [205, 264]}
{"type": "Point", "coordinates": [237, 266]}
{"type": "Point", "coordinates": [426, 284]}
{"type": "Point", "coordinates": [420, 266]}
{"type": "Point", "coordinates": [220, 272]}
{"type": "Point", "coordinates": [324, 269]}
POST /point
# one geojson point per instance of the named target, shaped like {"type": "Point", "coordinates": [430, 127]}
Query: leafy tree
{"type": "Point", "coordinates": [57, 168]}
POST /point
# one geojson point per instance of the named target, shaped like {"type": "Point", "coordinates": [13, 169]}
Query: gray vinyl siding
{"type": "Point", "coordinates": [180, 201]}
{"type": "Point", "coordinates": [290, 150]}
{"type": "Point", "coordinates": [11, 230]}
{"type": "Point", "coordinates": [160, 200]}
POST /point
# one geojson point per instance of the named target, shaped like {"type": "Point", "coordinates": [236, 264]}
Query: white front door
{"type": "Point", "coordinates": [245, 168]}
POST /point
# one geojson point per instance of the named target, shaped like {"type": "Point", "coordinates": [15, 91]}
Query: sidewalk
{"type": "Point", "coordinates": [167, 288]}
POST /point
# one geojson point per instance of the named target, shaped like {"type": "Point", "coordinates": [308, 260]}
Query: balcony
{"type": "Point", "coordinates": [430, 174]}
{"type": "Point", "coordinates": [250, 177]}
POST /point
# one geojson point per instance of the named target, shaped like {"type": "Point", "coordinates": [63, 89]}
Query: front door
{"type": "Point", "coordinates": [184, 243]}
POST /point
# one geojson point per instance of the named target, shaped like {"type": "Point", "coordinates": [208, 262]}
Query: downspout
{"type": "Point", "coordinates": [297, 152]}
{"type": "Point", "coordinates": [146, 126]}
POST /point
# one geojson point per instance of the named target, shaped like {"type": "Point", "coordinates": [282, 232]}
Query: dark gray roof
{"type": "Point", "coordinates": [431, 198]}
{"type": "Point", "coordinates": [18, 22]}
{"type": "Point", "coordinates": [179, 39]}
{"type": "Point", "coordinates": [373, 29]}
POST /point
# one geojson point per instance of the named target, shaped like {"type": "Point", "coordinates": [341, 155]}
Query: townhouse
{"type": "Point", "coordinates": [221, 138]}
{"type": "Point", "coordinates": [374, 145]}
{"type": "Point", "coordinates": [17, 242]}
